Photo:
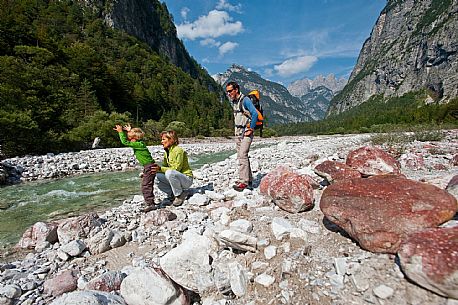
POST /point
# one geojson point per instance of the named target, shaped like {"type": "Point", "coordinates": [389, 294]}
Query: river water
{"type": "Point", "coordinates": [24, 204]}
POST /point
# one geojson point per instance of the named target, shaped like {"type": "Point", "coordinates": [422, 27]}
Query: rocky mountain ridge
{"type": "Point", "coordinates": [317, 100]}
{"type": "Point", "coordinates": [317, 93]}
{"type": "Point", "coordinates": [303, 86]}
{"type": "Point", "coordinates": [412, 47]}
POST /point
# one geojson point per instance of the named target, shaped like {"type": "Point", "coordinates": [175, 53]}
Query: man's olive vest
{"type": "Point", "coordinates": [241, 115]}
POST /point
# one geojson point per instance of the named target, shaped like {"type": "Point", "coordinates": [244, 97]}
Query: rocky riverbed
{"type": "Point", "coordinates": [261, 246]}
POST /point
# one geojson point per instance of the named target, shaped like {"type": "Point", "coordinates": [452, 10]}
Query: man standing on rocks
{"type": "Point", "coordinates": [245, 118]}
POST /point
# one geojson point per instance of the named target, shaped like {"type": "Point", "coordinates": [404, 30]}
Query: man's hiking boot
{"type": "Point", "coordinates": [180, 199]}
{"type": "Point", "coordinates": [149, 208]}
{"type": "Point", "coordinates": [240, 186]}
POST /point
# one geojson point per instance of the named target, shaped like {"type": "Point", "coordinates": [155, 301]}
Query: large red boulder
{"type": "Point", "coordinates": [430, 258]}
{"type": "Point", "coordinates": [289, 191]}
{"type": "Point", "coordinates": [380, 211]}
{"type": "Point", "coordinates": [371, 161]}
{"type": "Point", "coordinates": [335, 171]}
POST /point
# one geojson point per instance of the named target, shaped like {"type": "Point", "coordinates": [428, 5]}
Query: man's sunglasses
{"type": "Point", "coordinates": [230, 90]}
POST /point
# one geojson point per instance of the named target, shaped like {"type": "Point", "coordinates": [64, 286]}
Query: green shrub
{"type": "Point", "coordinates": [223, 132]}
{"type": "Point", "coordinates": [391, 139]}
{"type": "Point", "coordinates": [428, 135]}
{"type": "Point", "coordinates": [100, 124]}
{"type": "Point", "coordinates": [267, 132]}
{"type": "Point", "coordinates": [181, 129]}
{"type": "Point", "coordinates": [152, 131]}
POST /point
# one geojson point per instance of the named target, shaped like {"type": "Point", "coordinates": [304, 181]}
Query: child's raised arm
{"type": "Point", "coordinates": [118, 128]}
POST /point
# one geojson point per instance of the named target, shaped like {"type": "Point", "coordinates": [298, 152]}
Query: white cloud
{"type": "Point", "coordinates": [268, 72]}
{"type": "Point", "coordinates": [295, 65]}
{"type": "Point", "coordinates": [223, 5]}
{"type": "Point", "coordinates": [215, 24]}
{"type": "Point", "coordinates": [184, 12]}
{"type": "Point", "coordinates": [210, 42]}
{"type": "Point", "coordinates": [227, 47]}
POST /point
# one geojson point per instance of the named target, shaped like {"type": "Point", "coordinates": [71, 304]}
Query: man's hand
{"type": "Point", "coordinates": [118, 128]}
{"type": "Point", "coordinates": [248, 132]}
{"type": "Point", "coordinates": [127, 127]}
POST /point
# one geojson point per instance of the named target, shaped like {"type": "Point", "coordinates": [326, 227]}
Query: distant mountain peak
{"type": "Point", "coordinates": [237, 68]}
{"type": "Point", "coordinates": [305, 85]}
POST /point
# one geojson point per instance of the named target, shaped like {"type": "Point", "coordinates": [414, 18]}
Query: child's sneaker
{"type": "Point", "coordinates": [241, 186]}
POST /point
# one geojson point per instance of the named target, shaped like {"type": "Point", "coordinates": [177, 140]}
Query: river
{"type": "Point", "coordinates": [24, 204]}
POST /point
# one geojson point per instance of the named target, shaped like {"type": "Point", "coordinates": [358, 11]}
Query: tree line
{"type": "Point", "coordinates": [380, 114]}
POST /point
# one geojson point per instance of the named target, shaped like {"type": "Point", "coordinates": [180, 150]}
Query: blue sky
{"type": "Point", "coordinates": [282, 40]}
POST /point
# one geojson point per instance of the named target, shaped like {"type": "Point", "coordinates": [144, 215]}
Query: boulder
{"type": "Point", "coordinates": [64, 281]}
{"type": "Point", "coordinates": [77, 227]}
{"type": "Point", "coordinates": [289, 191]}
{"type": "Point", "coordinates": [89, 298]}
{"type": "Point", "coordinates": [380, 211]}
{"type": "Point", "coordinates": [430, 259]}
{"type": "Point", "coordinates": [188, 264]}
{"type": "Point", "coordinates": [237, 240]}
{"type": "Point", "coordinates": [151, 286]}
{"type": "Point", "coordinates": [454, 160]}
{"type": "Point", "coordinates": [100, 242]}
{"type": "Point", "coordinates": [452, 186]}
{"type": "Point", "coordinates": [74, 248]}
{"type": "Point", "coordinates": [3, 174]}
{"type": "Point", "coordinates": [38, 233]}
{"type": "Point", "coordinates": [335, 171]}
{"type": "Point", "coordinates": [158, 217]}
{"type": "Point", "coordinates": [108, 281]}
{"type": "Point", "coordinates": [370, 161]}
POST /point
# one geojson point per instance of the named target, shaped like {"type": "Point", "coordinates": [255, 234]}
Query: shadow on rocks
{"type": "Point", "coordinates": [335, 228]}
{"type": "Point", "coordinates": [201, 189]}
{"type": "Point", "coordinates": [257, 179]}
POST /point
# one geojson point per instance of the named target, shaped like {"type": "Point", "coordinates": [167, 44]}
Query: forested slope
{"type": "Point", "coordinates": [66, 77]}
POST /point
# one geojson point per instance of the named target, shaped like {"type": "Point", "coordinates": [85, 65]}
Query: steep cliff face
{"type": "Point", "coordinates": [413, 46]}
{"type": "Point", "coordinates": [150, 21]}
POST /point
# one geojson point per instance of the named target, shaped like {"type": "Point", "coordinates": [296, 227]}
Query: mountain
{"type": "Point", "coordinates": [412, 47]}
{"type": "Point", "coordinates": [151, 22]}
{"type": "Point", "coordinates": [305, 85]}
{"type": "Point", "coordinates": [316, 94]}
{"type": "Point", "coordinates": [279, 105]}
{"type": "Point", "coordinates": [317, 102]}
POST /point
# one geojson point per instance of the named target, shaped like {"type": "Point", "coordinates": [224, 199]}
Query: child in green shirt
{"type": "Point", "coordinates": [143, 156]}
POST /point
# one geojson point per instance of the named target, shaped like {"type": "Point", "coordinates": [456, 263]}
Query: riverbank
{"type": "Point", "coordinates": [296, 258]}
{"type": "Point", "coordinates": [54, 166]}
